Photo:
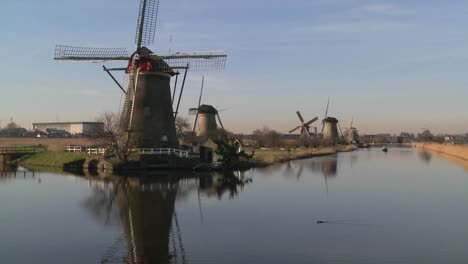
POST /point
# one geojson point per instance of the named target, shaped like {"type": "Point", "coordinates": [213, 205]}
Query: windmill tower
{"type": "Point", "coordinates": [353, 134]}
{"type": "Point", "coordinates": [147, 115]}
{"type": "Point", "coordinates": [205, 117]}
{"type": "Point", "coordinates": [330, 133]}
{"type": "Point", "coordinates": [304, 126]}
{"type": "Point", "coordinates": [330, 127]}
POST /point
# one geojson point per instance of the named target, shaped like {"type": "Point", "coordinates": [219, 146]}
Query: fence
{"type": "Point", "coordinates": [164, 151]}
{"type": "Point", "coordinates": [87, 150]}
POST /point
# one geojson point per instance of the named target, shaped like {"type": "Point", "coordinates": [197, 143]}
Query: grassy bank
{"type": "Point", "coordinates": [459, 151]}
{"type": "Point", "coordinates": [271, 156]}
{"type": "Point", "coordinates": [262, 157]}
{"type": "Point", "coordinates": [53, 159]}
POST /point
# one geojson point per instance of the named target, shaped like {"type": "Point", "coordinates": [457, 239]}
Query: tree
{"type": "Point", "coordinates": [426, 135]}
{"type": "Point", "coordinates": [13, 130]}
{"type": "Point", "coordinates": [267, 137]}
{"type": "Point", "coordinates": [117, 141]}
{"type": "Point", "coordinates": [182, 125]}
{"type": "Point", "coordinates": [12, 125]}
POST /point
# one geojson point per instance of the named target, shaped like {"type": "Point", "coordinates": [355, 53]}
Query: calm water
{"type": "Point", "coordinates": [403, 206]}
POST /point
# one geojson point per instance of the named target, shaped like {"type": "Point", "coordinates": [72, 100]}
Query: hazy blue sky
{"type": "Point", "coordinates": [393, 65]}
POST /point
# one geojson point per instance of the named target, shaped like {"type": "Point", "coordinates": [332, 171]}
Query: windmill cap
{"type": "Point", "coordinates": [207, 109]}
{"type": "Point", "coordinates": [158, 64]}
{"type": "Point", "coordinates": [330, 120]}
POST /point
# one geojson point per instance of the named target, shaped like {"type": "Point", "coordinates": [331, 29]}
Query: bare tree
{"type": "Point", "coordinates": [182, 125]}
{"type": "Point", "coordinates": [267, 137]}
{"type": "Point", "coordinates": [117, 141]}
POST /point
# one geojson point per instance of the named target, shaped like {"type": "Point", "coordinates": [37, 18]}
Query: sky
{"type": "Point", "coordinates": [391, 66]}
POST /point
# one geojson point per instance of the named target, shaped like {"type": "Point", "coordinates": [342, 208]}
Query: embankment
{"type": "Point", "coordinates": [52, 144]}
{"type": "Point", "coordinates": [65, 160]}
{"type": "Point", "coordinates": [271, 156]}
{"type": "Point", "coordinates": [459, 151]}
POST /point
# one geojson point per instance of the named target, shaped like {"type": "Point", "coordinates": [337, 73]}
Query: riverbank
{"type": "Point", "coordinates": [52, 144]}
{"type": "Point", "coordinates": [262, 158]}
{"type": "Point", "coordinates": [459, 151]}
{"type": "Point", "coordinates": [53, 159]}
{"type": "Point", "coordinates": [265, 157]}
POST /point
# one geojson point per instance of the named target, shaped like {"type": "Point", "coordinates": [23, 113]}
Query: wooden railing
{"type": "Point", "coordinates": [145, 151]}
{"type": "Point", "coordinates": [164, 151]}
{"type": "Point", "coordinates": [87, 150]}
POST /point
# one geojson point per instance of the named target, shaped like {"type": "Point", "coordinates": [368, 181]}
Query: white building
{"type": "Point", "coordinates": [74, 128]}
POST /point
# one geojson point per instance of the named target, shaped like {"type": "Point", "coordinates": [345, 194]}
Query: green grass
{"type": "Point", "coordinates": [52, 159]}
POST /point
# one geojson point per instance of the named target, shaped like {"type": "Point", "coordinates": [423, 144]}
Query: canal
{"type": "Point", "coordinates": [367, 206]}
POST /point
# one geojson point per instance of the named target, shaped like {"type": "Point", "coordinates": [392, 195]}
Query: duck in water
{"type": "Point", "coordinates": [322, 222]}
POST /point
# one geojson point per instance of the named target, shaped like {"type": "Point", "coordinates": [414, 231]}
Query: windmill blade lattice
{"type": "Point", "coordinates": [73, 53]}
{"type": "Point", "coordinates": [146, 23]}
{"type": "Point", "coordinates": [198, 61]}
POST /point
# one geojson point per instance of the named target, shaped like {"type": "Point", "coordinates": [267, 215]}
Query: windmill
{"type": "Point", "coordinates": [330, 127]}
{"type": "Point", "coordinates": [304, 126]}
{"type": "Point", "coordinates": [353, 135]}
{"type": "Point", "coordinates": [326, 115]}
{"type": "Point", "coordinates": [147, 111]}
{"type": "Point", "coordinates": [205, 117]}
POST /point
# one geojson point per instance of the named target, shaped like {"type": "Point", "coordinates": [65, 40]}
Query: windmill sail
{"type": "Point", "coordinates": [73, 53]}
{"type": "Point", "coordinates": [199, 103]}
{"type": "Point", "coordinates": [146, 23]}
{"type": "Point", "coordinates": [326, 115]}
{"type": "Point", "coordinates": [305, 126]}
{"type": "Point", "coordinates": [198, 61]}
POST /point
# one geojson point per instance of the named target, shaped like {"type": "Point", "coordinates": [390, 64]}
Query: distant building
{"type": "Point", "coordinates": [454, 140]}
{"type": "Point", "coordinates": [73, 128]}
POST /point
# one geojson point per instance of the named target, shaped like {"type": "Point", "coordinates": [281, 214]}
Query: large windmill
{"type": "Point", "coordinates": [205, 117]}
{"type": "Point", "coordinates": [147, 112]}
{"type": "Point", "coordinates": [304, 126]}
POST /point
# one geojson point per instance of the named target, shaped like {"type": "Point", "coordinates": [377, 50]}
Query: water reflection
{"type": "Point", "coordinates": [425, 156]}
{"type": "Point", "coordinates": [11, 172]}
{"type": "Point", "coordinates": [146, 210]}
{"type": "Point", "coordinates": [377, 199]}
{"type": "Point", "coordinates": [217, 184]}
{"type": "Point", "coordinates": [325, 166]}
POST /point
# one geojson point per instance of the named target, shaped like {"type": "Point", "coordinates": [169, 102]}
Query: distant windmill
{"type": "Point", "coordinates": [326, 115]}
{"type": "Point", "coordinates": [304, 126]}
{"type": "Point", "coordinates": [205, 117]}
{"type": "Point", "coordinates": [147, 111]}
{"type": "Point", "coordinates": [353, 134]}
{"type": "Point", "coordinates": [330, 127]}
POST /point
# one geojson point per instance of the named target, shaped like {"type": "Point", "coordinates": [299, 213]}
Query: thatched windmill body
{"type": "Point", "coordinates": [330, 127]}
{"type": "Point", "coordinates": [353, 134]}
{"type": "Point", "coordinates": [330, 132]}
{"type": "Point", "coordinates": [205, 117]}
{"type": "Point", "coordinates": [147, 113]}
{"type": "Point", "coordinates": [304, 126]}
{"type": "Point", "coordinates": [206, 123]}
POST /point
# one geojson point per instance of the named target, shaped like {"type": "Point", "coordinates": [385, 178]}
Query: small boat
{"type": "Point", "coordinates": [384, 149]}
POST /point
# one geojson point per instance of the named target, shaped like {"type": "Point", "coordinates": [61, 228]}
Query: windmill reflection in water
{"type": "Point", "coordinates": [146, 210]}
